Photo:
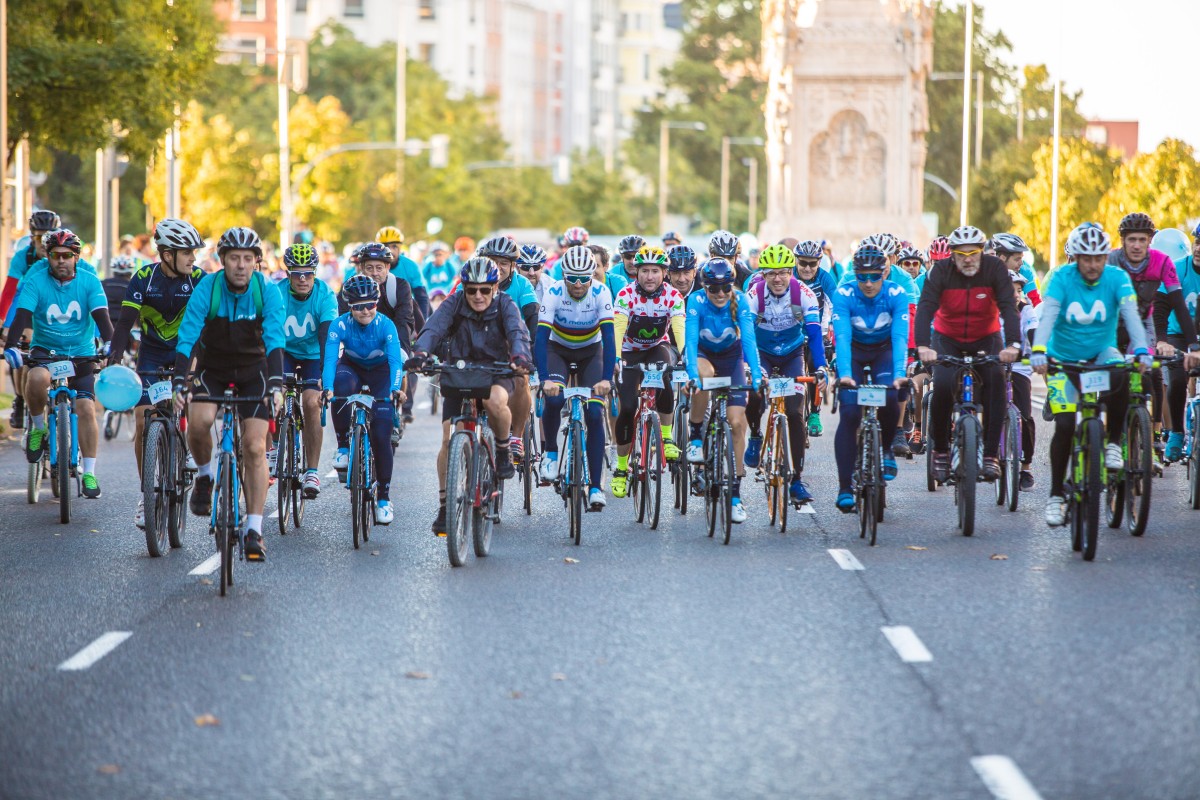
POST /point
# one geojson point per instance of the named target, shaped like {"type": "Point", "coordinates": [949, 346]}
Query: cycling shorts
{"type": "Point", "coordinates": [729, 363]}
{"type": "Point", "coordinates": [309, 369]}
{"type": "Point", "coordinates": [148, 364]}
{"type": "Point", "coordinates": [84, 382]}
{"type": "Point", "coordinates": [249, 381]}
{"type": "Point", "coordinates": [587, 360]}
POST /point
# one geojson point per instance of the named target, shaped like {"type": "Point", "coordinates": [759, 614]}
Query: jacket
{"type": "Point", "coordinates": [967, 309]}
{"type": "Point", "coordinates": [455, 332]}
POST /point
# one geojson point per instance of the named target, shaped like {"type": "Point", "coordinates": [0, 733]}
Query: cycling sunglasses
{"type": "Point", "coordinates": [363, 306]}
{"type": "Point", "coordinates": [868, 277]}
{"type": "Point", "coordinates": [976, 251]}
{"type": "Point", "coordinates": [529, 267]}
{"type": "Point", "coordinates": [807, 264]}
{"type": "Point", "coordinates": [474, 290]}
{"type": "Point", "coordinates": [578, 279]}
{"type": "Point", "coordinates": [912, 262]}
{"type": "Point", "coordinates": [302, 273]}
{"type": "Point", "coordinates": [720, 288]}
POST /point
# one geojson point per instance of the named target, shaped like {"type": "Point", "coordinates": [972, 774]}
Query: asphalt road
{"type": "Point", "coordinates": [651, 664]}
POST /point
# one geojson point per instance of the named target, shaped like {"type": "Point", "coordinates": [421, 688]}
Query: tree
{"type": "Point", "coordinates": [1163, 183]}
{"type": "Point", "coordinates": [1086, 171]}
{"type": "Point", "coordinates": [80, 73]}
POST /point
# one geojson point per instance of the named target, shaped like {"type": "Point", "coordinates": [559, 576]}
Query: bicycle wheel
{"type": "Point", "coordinates": [1114, 499]}
{"type": "Point", "coordinates": [637, 475]}
{"type": "Point", "coordinates": [177, 499]}
{"type": "Point", "coordinates": [156, 477]}
{"type": "Point", "coordinates": [487, 510]}
{"type": "Point", "coordinates": [652, 474]}
{"type": "Point", "coordinates": [357, 489]}
{"type": "Point", "coordinates": [528, 472]}
{"type": "Point", "coordinates": [712, 457]}
{"type": "Point", "coordinates": [873, 474]}
{"type": "Point", "coordinates": [460, 493]}
{"type": "Point", "coordinates": [284, 469]}
{"type": "Point", "coordinates": [930, 482]}
{"type": "Point", "coordinates": [1012, 460]}
{"type": "Point", "coordinates": [1089, 506]}
{"type": "Point", "coordinates": [575, 484]}
{"type": "Point", "coordinates": [299, 470]}
{"type": "Point", "coordinates": [968, 467]}
{"type": "Point", "coordinates": [225, 516]}
{"type": "Point", "coordinates": [783, 470]}
{"type": "Point", "coordinates": [62, 430]}
{"type": "Point", "coordinates": [766, 469]}
{"type": "Point", "coordinates": [33, 487]}
{"type": "Point", "coordinates": [862, 469]}
{"type": "Point", "coordinates": [1139, 465]}
{"type": "Point", "coordinates": [1194, 462]}
{"type": "Point", "coordinates": [366, 479]}
{"type": "Point", "coordinates": [727, 479]}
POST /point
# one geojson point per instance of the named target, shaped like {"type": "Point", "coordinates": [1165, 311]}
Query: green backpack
{"type": "Point", "coordinates": [256, 291]}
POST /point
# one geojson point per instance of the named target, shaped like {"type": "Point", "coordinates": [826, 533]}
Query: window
{"type": "Point", "coordinates": [425, 49]}
{"type": "Point", "coordinates": [249, 9]}
{"type": "Point", "coordinates": [425, 9]}
{"type": "Point", "coordinates": [301, 6]}
{"type": "Point", "coordinates": [645, 66]}
{"type": "Point", "coordinates": [354, 8]}
{"type": "Point", "coordinates": [471, 60]}
{"type": "Point", "coordinates": [243, 50]}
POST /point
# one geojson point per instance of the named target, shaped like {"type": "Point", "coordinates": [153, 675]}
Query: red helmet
{"type": "Point", "coordinates": [939, 248]}
{"type": "Point", "coordinates": [575, 236]}
{"type": "Point", "coordinates": [62, 238]}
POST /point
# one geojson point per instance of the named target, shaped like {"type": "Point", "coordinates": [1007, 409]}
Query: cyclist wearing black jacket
{"type": "Point", "coordinates": [395, 295]}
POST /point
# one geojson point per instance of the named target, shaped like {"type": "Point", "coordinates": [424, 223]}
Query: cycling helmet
{"type": "Point", "coordinates": [1136, 222]}
{"type": "Point", "coordinates": [499, 247]}
{"type": "Point", "coordinates": [575, 236]}
{"type": "Point", "coordinates": [1089, 240]}
{"type": "Point", "coordinates": [175, 234]}
{"type": "Point", "coordinates": [479, 269]}
{"type": "Point", "coordinates": [653, 256]}
{"type": "Point", "coordinates": [122, 265]}
{"type": "Point", "coordinates": [630, 244]}
{"type": "Point", "coordinates": [464, 243]}
{"type": "Point", "coordinates": [360, 289]}
{"type": "Point", "coordinates": [239, 239]}
{"type": "Point", "coordinates": [966, 234]}
{"type": "Point", "coordinates": [910, 254]}
{"type": "Point", "coordinates": [809, 250]}
{"type": "Point", "coordinates": [885, 242]}
{"type": "Point", "coordinates": [1196, 231]}
{"type": "Point", "coordinates": [671, 236]}
{"type": "Point", "coordinates": [300, 256]}
{"type": "Point", "coordinates": [718, 272]}
{"type": "Point", "coordinates": [389, 234]}
{"type": "Point", "coordinates": [680, 257]}
{"type": "Point", "coordinates": [1009, 243]}
{"type": "Point", "coordinates": [939, 248]}
{"type": "Point", "coordinates": [531, 256]}
{"type": "Point", "coordinates": [577, 260]}
{"type": "Point", "coordinates": [44, 220]}
{"type": "Point", "coordinates": [374, 251]}
{"type": "Point", "coordinates": [62, 238]}
{"type": "Point", "coordinates": [777, 256]}
{"type": "Point", "coordinates": [869, 258]}
{"type": "Point", "coordinates": [1017, 278]}
{"type": "Point", "coordinates": [723, 244]}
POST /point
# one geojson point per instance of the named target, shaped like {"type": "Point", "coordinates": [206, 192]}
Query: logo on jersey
{"type": "Point", "coordinates": [899, 290]}
{"type": "Point", "coordinates": [720, 336]}
{"type": "Point", "coordinates": [56, 314]}
{"type": "Point", "coordinates": [1190, 301]}
{"type": "Point", "coordinates": [1076, 314]}
{"type": "Point", "coordinates": [296, 329]}
{"type": "Point", "coordinates": [881, 322]}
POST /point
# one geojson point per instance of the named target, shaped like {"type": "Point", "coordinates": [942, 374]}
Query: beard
{"type": "Point", "coordinates": [970, 272]}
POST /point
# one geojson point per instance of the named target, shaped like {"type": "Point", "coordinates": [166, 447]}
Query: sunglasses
{"type": "Point", "coordinates": [306, 274]}
{"type": "Point", "coordinates": [578, 279]}
{"type": "Point", "coordinates": [363, 306]}
{"type": "Point", "coordinates": [976, 251]}
{"type": "Point", "coordinates": [868, 277]}
{"type": "Point", "coordinates": [910, 263]}
{"type": "Point", "coordinates": [62, 256]}
{"type": "Point", "coordinates": [725, 288]}
{"type": "Point", "coordinates": [807, 264]}
{"type": "Point", "coordinates": [529, 268]}
{"type": "Point", "coordinates": [477, 290]}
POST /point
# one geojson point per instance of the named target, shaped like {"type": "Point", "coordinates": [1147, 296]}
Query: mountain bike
{"type": "Point", "coordinates": [966, 445]}
{"type": "Point", "coordinates": [870, 488]}
{"type": "Point", "coordinates": [166, 478]}
{"type": "Point", "coordinates": [1127, 491]}
{"type": "Point", "coordinates": [1008, 486]}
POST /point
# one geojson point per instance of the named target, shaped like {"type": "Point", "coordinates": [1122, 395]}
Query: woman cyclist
{"type": "Point", "coordinates": [823, 284]}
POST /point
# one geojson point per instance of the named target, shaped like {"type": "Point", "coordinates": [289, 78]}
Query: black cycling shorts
{"type": "Point", "coordinates": [250, 381]}
{"type": "Point", "coordinates": [452, 401]}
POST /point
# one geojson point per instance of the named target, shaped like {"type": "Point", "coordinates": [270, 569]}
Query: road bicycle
{"type": "Point", "coordinates": [966, 445]}
{"type": "Point", "coordinates": [715, 479]}
{"type": "Point", "coordinates": [166, 477]}
{"type": "Point", "coordinates": [869, 486]}
{"type": "Point", "coordinates": [775, 469]}
{"type": "Point", "coordinates": [573, 478]}
{"type": "Point", "coordinates": [647, 459]}
{"type": "Point", "coordinates": [360, 471]}
{"type": "Point", "coordinates": [680, 468]}
{"type": "Point", "coordinates": [1008, 486]}
{"type": "Point", "coordinates": [291, 459]}
{"type": "Point", "coordinates": [527, 464]}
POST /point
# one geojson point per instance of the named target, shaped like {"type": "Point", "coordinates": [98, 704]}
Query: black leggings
{"type": "Point", "coordinates": [1022, 388]}
{"type": "Point", "coordinates": [631, 381]}
{"type": "Point", "coordinates": [1177, 381]}
{"type": "Point", "coordinates": [1116, 404]}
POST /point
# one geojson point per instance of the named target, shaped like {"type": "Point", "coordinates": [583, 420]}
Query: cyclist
{"type": "Point", "coordinates": [939, 250]}
{"type": "Point", "coordinates": [1079, 315]}
{"type": "Point", "coordinates": [822, 284]}
{"type": "Point", "coordinates": [439, 270]}
{"type": "Point", "coordinates": [682, 269]}
{"type": "Point", "coordinates": [964, 305]}
{"type": "Point", "coordinates": [309, 308]}
{"type": "Point", "coordinates": [1188, 271]}
{"type": "Point", "coordinates": [575, 326]}
{"type": "Point", "coordinates": [155, 299]}
{"type": "Point", "coordinates": [40, 223]}
{"type": "Point", "coordinates": [726, 246]}
{"type": "Point", "coordinates": [628, 248]}
{"type": "Point", "coordinates": [1022, 379]}
{"type": "Point", "coordinates": [120, 270]}
{"type": "Point", "coordinates": [788, 317]}
{"type": "Point", "coordinates": [464, 248]}
{"type": "Point", "coordinates": [479, 324]}
{"type": "Point", "coordinates": [370, 354]}
{"type": "Point", "coordinates": [670, 239]}
{"type": "Point", "coordinates": [724, 319]}
{"type": "Point", "coordinates": [643, 312]}
{"type": "Point", "coordinates": [405, 268]}
{"type": "Point", "coordinates": [233, 327]}
{"type": "Point", "coordinates": [1011, 249]}
{"type": "Point", "coordinates": [531, 263]}
{"type": "Point", "coordinates": [64, 306]}
{"type": "Point", "coordinates": [613, 279]}
{"type": "Point", "coordinates": [870, 324]}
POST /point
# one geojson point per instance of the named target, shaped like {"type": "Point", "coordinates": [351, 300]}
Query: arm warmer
{"type": "Point", "coordinates": [815, 346]}
{"type": "Point", "coordinates": [608, 350]}
{"type": "Point", "coordinates": [21, 320]}
{"type": "Point", "coordinates": [120, 339]}
{"type": "Point", "coordinates": [103, 323]}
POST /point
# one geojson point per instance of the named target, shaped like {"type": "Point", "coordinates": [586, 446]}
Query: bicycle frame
{"type": "Point", "coordinates": [577, 397]}
{"type": "Point", "coordinates": [230, 437]}
{"type": "Point", "coordinates": [363, 411]}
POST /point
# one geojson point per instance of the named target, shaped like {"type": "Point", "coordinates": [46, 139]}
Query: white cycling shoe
{"type": "Point", "coordinates": [596, 499]}
{"type": "Point", "coordinates": [549, 470]}
{"type": "Point", "coordinates": [383, 513]}
{"type": "Point", "coordinates": [737, 511]}
{"type": "Point", "coordinates": [695, 452]}
{"type": "Point", "coordinates": [341, 459]}
{"type": "Point", "coordinates": [1056, 512]}
{"type": "Point", "coordinates": [1113, 457]}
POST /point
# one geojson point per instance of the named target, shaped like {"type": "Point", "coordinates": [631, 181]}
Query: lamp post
{"type": "Point", "coordinates": [285, 156]}
{"type": "Point", "coordinates": [963, 193]}
{"type": "Point", "coordinates": [664, 142]}
{"type": "Point", "coordinates": [726, 141]}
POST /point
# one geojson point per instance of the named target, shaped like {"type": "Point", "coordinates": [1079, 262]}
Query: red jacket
{"type": "Point", "coordinates": [967, 309]}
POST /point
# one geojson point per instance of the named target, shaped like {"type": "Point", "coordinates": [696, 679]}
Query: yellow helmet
{"type": "Point", "coordinates": [389, 234]}
{"type": "Point", "coordinates": [777, 256]}
{"type": "Point", "coordinates": [653, 256]}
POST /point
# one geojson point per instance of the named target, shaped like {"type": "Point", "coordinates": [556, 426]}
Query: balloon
{"type": "Point", "coordinates": [118, 388]}
{"type": "Point", "coordinates": [1173, 242]}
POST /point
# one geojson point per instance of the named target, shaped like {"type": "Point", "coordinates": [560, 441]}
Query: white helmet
{"type": "Point", "coordinates": [577, 260]}
{"type": "Point", "coordinates": [967, 234]}
{"type": "Point", "coordinates": [1009, 243]}
{"type": "Point", "coordinates": [886, 242]}
{"type": "Point", "coordinates": [1089, 239]}
{"type": "Point", "coordinates": [175, 234]}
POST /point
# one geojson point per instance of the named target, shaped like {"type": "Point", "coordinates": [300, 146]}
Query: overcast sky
{"type": "Point", "coordinates": [1134, 60]}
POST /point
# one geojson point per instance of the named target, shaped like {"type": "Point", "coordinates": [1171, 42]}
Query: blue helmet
{"type": "Point", "coordinates": [1196, 231]}
{"type": "Point", "coordinates": [808, 250]}
{"type": "Point", "coordinates": [869, 258]}
{"type": "Point", "coordinates": [373, 251]}
{"type": "Point", "coordinates": [531, 256]}
{"type": "Point", "coordinates": [718, 272]}
{"type": "Point", "coordinates": [680, 257]}
{"type": "Point", "coordinates": [360, 289]}
{"type": "Point", "coordinates": [479, 269]}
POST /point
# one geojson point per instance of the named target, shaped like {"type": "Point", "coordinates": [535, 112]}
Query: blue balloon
{"type": "Point", "coordinates": [118, 388]}
{"type": "Point", "coordinates": [1173, 242]}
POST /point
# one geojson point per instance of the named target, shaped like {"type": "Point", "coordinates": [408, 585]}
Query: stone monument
{"type": "Point", "coordinates": [846, 118]}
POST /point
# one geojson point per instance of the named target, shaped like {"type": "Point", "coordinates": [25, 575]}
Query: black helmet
{"type": "Point", "coordinates": [869, 257]}
{"type": "Point", "coordinates": [630, 244]}
{"type": "Point", "coordinates": [44, 220]}
{"type": "Point", "coordinates": [1137, 222]}
{"type": "Point", "coordinates": [360, 289]}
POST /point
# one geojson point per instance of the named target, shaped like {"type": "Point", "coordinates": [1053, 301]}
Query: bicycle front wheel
{"type": "Point", "coordinates": [357, 489]}
{"type": "Point", "coordinates": [637, 474]}
{"type": "Point", "coordinates": [712, 475]}
{"type": "Point", "coordinates": [1194, 462]}
{"type": "Point", "coordinates": [298, 470]}
{"type": "Point", "coordinates": [528, 467]}
{"type": "Point", "coordinates": [487, 511]}
{"type": "Point", "coordinates": [460, 498]}
{"type": "Point", "coordinates": [871, 477]}
{"type": "Point", "coordinates": [284, 469]}
{"type": "Point", "coordinates": [226, 517]}
{"type": "Point", "coordinates": [1089, 505]}
{"type": "Point", "coordinates": [62, 430]}
{"type": "Point", "coordinates": [930, 482]}
{"type": "Point", "coordinates": [1139, 466]}
{"type": "Point", "coordinates": [782, 478]}
{"type": "Point", "coordinates": [1012, 458]}
{"type": "Point", "coordinates": [726, 485]}
{"type": "Point", "coordinates": [575, 485]}
{"type": "Point", "coordinates": [968, 472]}
{"type": "Point", "coordinates": [177, 501]}
{"type": "Point", "coordinates": [155, 482]}
{"type": "Point", "coordinates": [652, 475]}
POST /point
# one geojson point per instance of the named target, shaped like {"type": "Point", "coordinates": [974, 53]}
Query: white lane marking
{"type": "Point", "coordinates": [845, 559]}
{"type": "Point", "coordinates": [910, 649]}
{"type": "Point", "coordinates": [208, 566]}
{"type": "Point", "coordinates": [94, 651]}
{"type": "Point", "coordinates": [331, 474]}
{"type": "Point", "coordinates": [422, 406]}
{"type": "Point", "coordinates": [807, 508]}
{"type": "Point", "coordinates": [1003, 778]}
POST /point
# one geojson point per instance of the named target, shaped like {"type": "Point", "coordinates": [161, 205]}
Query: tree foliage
{"type": "Point", "coordinates": [1163, 183]}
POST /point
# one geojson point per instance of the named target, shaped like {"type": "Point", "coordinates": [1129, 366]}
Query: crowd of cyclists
{"type": "Point", "coordinates": [585, 317]}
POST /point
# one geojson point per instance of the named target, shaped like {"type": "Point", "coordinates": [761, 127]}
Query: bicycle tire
{"type": "Point", "coordinates": [299, 470]}
{"type": "Point", "coordinates": [711, 452]}
{"type": "Point", "coordinates": [33, 487]}
{"type": "Point", "coordinates": [930, 482]}
{"type": "Point", "coordinates": [653, 475]}
{"type": "Point", "coordinates": [62, 430]}
{"type": "Point", "coordinates": [1090, 505]}
{"type": "Point", "coordinates": [968, 464]}
{"type": "Point", "coordinates": [528, 473]}
{"type": "Point", "coordinates": [637, 491]}
{"type": "Point", "coordinates": [576, 490]}
{"type": "Point", "coordinates": [366, 479]}
{"type": "Point", "coordinates": [356, 488]}
{"type": "Point", "coordinates": [766, 469]}
{"type": "Point", "coordinates": [177, 512]}
{"type": "Point", "coordinates": [1013, 459]}
{"type": "Point", "coordinates": [874, 482]}
{"type": "Point", "coordinates": [861, 470]}
{"type": "Point", "coordinates": [155, 487]}
{"type": "Point", "coordinates": [225, 520]}
{"type": "Point", "coordinates": [681, 468]}
{"type": "Point", "coordinates": [484, 514]}
{"type": "Point", "coordinates": [783, 470]}
{"type": "Point", "coordinates": [726, 488]}
{"type": "Point", "coordinates": [1194, 462]}
{"type": "Point", "coordinates": [459, 495]}
{"type": "Point", "coordinates": [1139, 474]}
{"type": "Point", "coordinates": [283, 474]}
{"type": "Point", "coordinates": [1114, 500]}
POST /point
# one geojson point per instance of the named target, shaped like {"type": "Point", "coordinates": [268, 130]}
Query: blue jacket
{"type": "Point", "coordinates": [870, 321]}
{"type": "Point", "coordinates": [367, 345]}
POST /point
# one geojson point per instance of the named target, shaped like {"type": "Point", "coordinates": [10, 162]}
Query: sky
{"type": "Point", "coordinates": [1134, 60]}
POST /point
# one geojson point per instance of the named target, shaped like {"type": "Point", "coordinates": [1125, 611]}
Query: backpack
{"type": "Point", "coordinates": [795, 288]}
{"type": "Point", "coordinates": [256, 291]}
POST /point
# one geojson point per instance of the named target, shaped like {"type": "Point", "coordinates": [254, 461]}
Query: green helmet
{"type": "Point", "coordinates": [300, 256]}
{"type": "Point", "coordinates": [777, 256]}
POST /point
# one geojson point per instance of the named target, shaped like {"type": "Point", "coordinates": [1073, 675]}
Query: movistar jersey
{"type": "Point", "coordinates": [897, 276]}
{"type": "Point", "coordinates": [575, 323]}
{"type": "Point", "coordinates": [408, 269]}
{"type": "Point", "coordinates": [782, 319]}
{"type": "Point", "coordinates": [1189, 280]}
{"type": "Point", "coordinates": [41, 265]}
{"type": "Point", "coordinates": [1087, 319]}
{"type": "Point", "coordinates": [160, 302]}
{"type": "Point", "coordinates": [365, 345]}
{"type": "Point", "coordinates": [715, 330]}
{"type": "Point", "coordinates": [62, 312]}
{"type": "Point", "coordinates": [871, 321]}
{"type": "Point", "coordinates": [302, 318]}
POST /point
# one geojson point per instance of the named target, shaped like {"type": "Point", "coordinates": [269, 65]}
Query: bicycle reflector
{"type": "Point", "coordinates": [118, 388]}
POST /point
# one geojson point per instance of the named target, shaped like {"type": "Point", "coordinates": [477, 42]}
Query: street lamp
{"type": "Point", "coordinates": [664, 141]}
{"type": "Point", "coordinates": [726, 141]}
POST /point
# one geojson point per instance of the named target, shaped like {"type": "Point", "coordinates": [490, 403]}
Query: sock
{"type": "Point", "coordinates": [667, 433]}
{"type": "Point", "coordinates": [737, 488]}
{"type": "Point", "coordinates": [39, 420]}
{"type": "Point", "coordinates": [206, 470]}
{"type": "Point", "coordinates": [254, 522]}
{"type": "Point", "coordinates": [310, 472]}
{"type": "Point", "coordinates": [696, 429]}
{"type": "Point", "coordinates": [89, 465]}
{"type": "Point", "coordinates": [623, 462]}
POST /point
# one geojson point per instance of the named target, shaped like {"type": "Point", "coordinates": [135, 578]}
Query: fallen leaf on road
{"type": "Point", "coordinates": [569, 560]}
{"type": "Point", "coordinates": [374, 552]}
{"type": "Point", "coordinates": [206, 581]}
{"type": "Point", "coordinates": [206, 721]}
{"type": "Point", "coordinates": [418, 676]}
{"type": "Point", "coordinates": [95, 531]}
{"type": "Point", "coordinates": [108, 769]}
{"type": "Point", "coordinates": [558, 676]}
{"type": "Point", "coordinates": [515, 695]}
{"type": "Point", "coordinates": [915, 547]}
{"type": "Point", "coordinates": [247, 678]}
{"type": "Point", "coordinates": [999, 557]}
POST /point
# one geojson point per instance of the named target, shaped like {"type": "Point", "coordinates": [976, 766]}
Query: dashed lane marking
{"type": "Point", "coordinates": [910, 648]}
{"type": "Point", "coordinates": [94, 651]}
{"type": "Point", "coordinates": [1004, 778]}
{"type": "Point", "coordinates": [208, 566]}
{"type": "Point", "coordinates": [846, 559]}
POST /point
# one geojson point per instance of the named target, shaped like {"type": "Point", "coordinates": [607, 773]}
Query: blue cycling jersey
{"type": "Point", "coordinates": [715, 330]}
{"type": "Point", "coordinates": [367, 345]}
{"type": "Point", "coordinates": [62, 312]}
{"type": "Point", "coordinates": [436, 277]}
{"type": "Point", "coordinates": [1189, 279]}
{"type": "Point", "coordinates": [160, 302]}
{"type": "Point", "coordinates": [41, 265]}
{"type": "Point", "coordinates": [236, 308]}
{"type": "Point", "coordinates": [1085, 324]}
{"type": "Point", "coordinates": [897, 276]}
{"type": "Point", "coordinates": [303, 318]}
{"type": "Point", "coordinates": [871, 321]}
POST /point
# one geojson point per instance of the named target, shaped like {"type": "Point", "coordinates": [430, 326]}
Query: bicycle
{"type": "Point", "coordinates": [291, 459]}
{"type": "Point", "coordinates": [647, 458]}
{"type": "Point", "coordinates": [1127, 491]}
{"type": "Point", "coordinates": [166, 479]}
{"type": "Point", "coordinates": [360, 471]}
{"type": "Point", "coordinates": [472, 491]}
{"type": "Point", "coordinates": [870, 488]}
{"type": "Point", "coordinates": [1191, 447]}
{"type": "Point", "coordinates": [966, 452]}
{"type": "Point", "coordinates": [1008, 486]}
{"type": "Point", "coordinates": [680, 468]}
{"type": "Point", "coordinates": [774, 467]}
{"type": "Point", "coordinates": [714, 480]}
{"type": "Point", "coordinates": [573, 478]}
{"type": "Point", "coordinates": [527, 464]}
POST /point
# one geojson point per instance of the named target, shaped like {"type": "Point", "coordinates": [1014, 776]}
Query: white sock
{"type": "Point", "coordinates": [89, 465]}
{"type": "Point", "coordinates": [254, 522]}
{"type": "Point", "coordinates": [39, 420]}
{"type": "Point", "coordinates": [206, 470]}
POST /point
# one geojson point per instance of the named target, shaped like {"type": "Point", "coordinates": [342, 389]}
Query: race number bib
{"type": "Point", "coordinates": [61, 369]}
{"type": "Point", "coordinates": [159, 392]}
{"type": "Point", "coordinates": [1096, 381]}
{"type": "Point", "coordinates": [781, 387]}
{"type": "Point", "coordinates": [872, 396]}
{"type": "Point", "coordinates": [715, 383]}
{"type": "Point", "coordinates": [652, 378]}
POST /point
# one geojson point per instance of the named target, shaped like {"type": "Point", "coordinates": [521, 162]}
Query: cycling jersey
{"type": "Point", "coordinates": [1188, 272]}
{"type": "Point", "coordinates": [22, 259]}
{"type": "Point", "coordinates": [114, 289]}
{"type": "Point", "coordinates": [782, 321]}
{"type": "Point", "coordinates": [642, 321]}
{"type": "Point", "coordinates": [370, 345]}
{"type": "Point", "coordinates": [241, 333]}
{"type": "Point", "coordinates": [303, 319]}
{"type": "Point", "coordinates": [713, 329]}
{"type": "Point", "coordinates": [966, 308]}
{"type": "Point", "coordinates": [62, 312]}
{"type": "Point", "coordinates": [40, 266]}
{"type": "Point", "coordinates": [571, 322]}
{"type": "Point", "coordinates": [1079, 321]}
{"type": "Point", "coordinates": [823, 285]}
{"type": "Point", "coordinates": [1156, 271]}
{"type": "Point", "coordinates": [897, 276]}
{"type": "Point", "coordinates": [159, 302]}
{"type": "Point", "coordinates": [870, 321]}
{"type": "Point", "coordinates": [436, 277]}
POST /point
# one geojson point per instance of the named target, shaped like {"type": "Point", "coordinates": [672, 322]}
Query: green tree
{"type": "Point", "coordinates": [1163, 183]}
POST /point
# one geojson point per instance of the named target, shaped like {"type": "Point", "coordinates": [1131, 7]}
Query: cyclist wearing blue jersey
{"type": "Point", "coordinates": [40, 223]}
{"type": "Point", "coordinates": [64, 306]}
{"type": "Point", "coordinates": [575, 328]}
{"type": "Point", "coordinates": [682, 268]}
{"type": "Point", "coordinates": [531, 263]}
{"type": "Point", "coordinates": [155, 299]}
{"type": "Point", "coordinates": [370, 355]}
{"type": "Point", "coordinates": [613, 279]}
{"type": "Point", "coordinates": [438, 270]}
{"type": "Point", "coordinates": [719, 341]}
{"type": "Point", "coordinates": [870, 327]}
{"type": "Point", "coordinates": [823, 284]}
{"type": "Point", "coordinates": [309, 307]}
{"type": "Point", "coordinates": [724, 245]}
{"type": "Point", "coordinates": [405, 268]}
{"type": "Point", "coordinates": [627, 249]}
{"type": "Point", "coordinates": [1188, 271]}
